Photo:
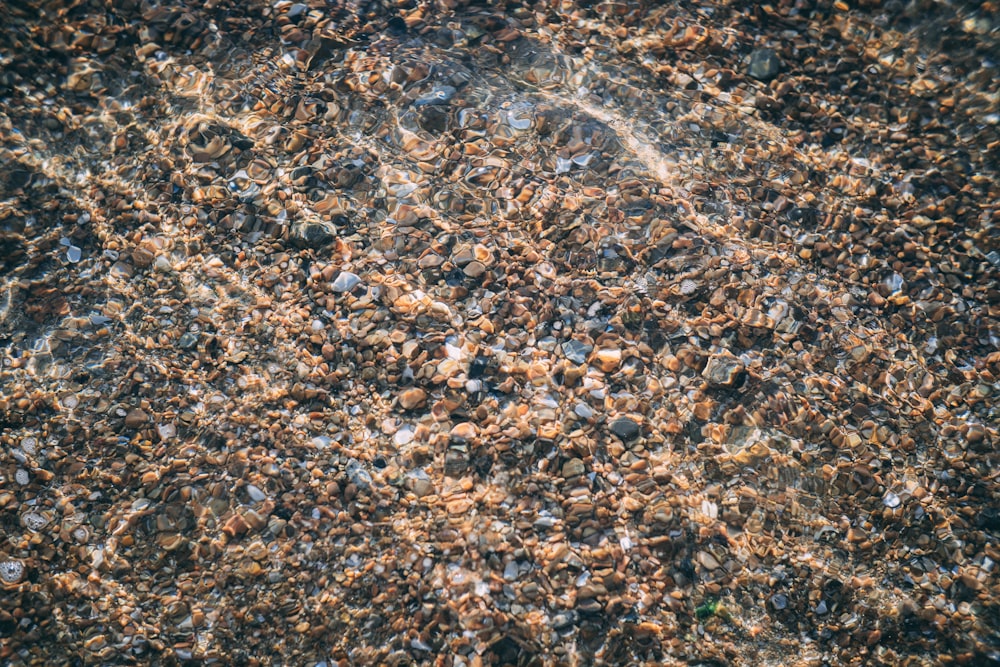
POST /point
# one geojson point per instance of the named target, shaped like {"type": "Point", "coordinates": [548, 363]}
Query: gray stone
{"type": "Point", "coordinates": [764, 64]}
{"type": "Point", "coordinates": [576, 351]}
{"type": "Point", "coordinates": [573, 468]}
{"type": "Point", "coordinates": [188, 340]}
{"type": "Point", "coordinates": [625, 428]}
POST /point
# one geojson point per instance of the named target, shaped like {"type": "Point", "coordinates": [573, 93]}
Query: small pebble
{"type": "Point", "coordinates": [345, 282]}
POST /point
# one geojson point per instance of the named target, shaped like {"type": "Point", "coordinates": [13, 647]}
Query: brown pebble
{"type": "Point", "coordinates": [412, 398]}
{"type": "Point", "coordinates": [136, 418]}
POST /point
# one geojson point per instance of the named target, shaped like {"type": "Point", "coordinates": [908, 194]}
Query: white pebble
{"type": "Point", "coordinates": [11, 571]}
{"type": "Point", "coordinates": [403, 436]}
{"type": "Point", "coordinates": [346, 281]}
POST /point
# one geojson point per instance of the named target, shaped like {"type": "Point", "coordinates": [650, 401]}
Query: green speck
{"type": "Point", "coordinates": [706, 610]}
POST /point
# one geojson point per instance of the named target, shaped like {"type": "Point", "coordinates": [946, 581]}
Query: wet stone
{"type": "Point", "coordinates": [345, 282]}
{"type": "Point", "coordinates": [412, 398]}
{"type": "Point", "coordinates": [626, 429]}
{"type": "Point", "coordinates": [724, 370]}
{"type": "Point", "coordinates": [563, 620]}
{"type": "Point", "coordinates": [764, 64]}
{"type": "Point", "coordinates": [573, 468]}
{"type": "Point", "coordinates": [188, 340]}
{"type": "Point", "coordinates": [313, 235]}
{"type": "Point", "coordinates": [576, 351]}
{"type": "Point", "coordinates": [136, 418]}
{"type": "Point", "coordinates": [779, 601]}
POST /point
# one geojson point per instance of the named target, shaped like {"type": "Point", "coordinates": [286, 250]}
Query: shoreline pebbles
{"type": "Point", "coordinates": [469, 334]}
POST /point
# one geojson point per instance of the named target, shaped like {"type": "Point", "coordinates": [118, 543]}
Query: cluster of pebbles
{"type": "Point", "coordinates": [512, 333]}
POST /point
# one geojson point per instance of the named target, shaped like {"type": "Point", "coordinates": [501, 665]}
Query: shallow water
{"type": "Point", "coordinates": [498, 336]}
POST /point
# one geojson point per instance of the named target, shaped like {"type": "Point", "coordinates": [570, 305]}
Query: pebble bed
{"type": "Point", "coordinates": [500, 333]}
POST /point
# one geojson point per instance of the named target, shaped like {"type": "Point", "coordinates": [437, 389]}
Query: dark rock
{"type": "Point", "coordinates": [779, 601]}
{"type": "Point", "coordinates": [188, 340]}
{"type": "Point", "coordinates": [764, 64]}
{"type": "Point", "coordinates": [625, 428]}
{"type": "Point", "coordinates": [313, 234]}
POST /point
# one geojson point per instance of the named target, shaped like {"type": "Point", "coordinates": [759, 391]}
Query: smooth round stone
{"type": "Point", "coordinates": [136, 418]}
{"type": "Point", "coordinates": [608, 359]}
{"type": "Point", "coordinates": [346, 281]}
{"type": "Point", "coordinates": [891, 500]}
{"type": "Point", "coordinates": [403, 436]}
{"type": "Point", "coordinates": [764, 64]}
{"type": "Point", "coordinates": [779, 601]}
{"type": "Point", "coordinates": [625, 428]}
{"type": "Point", "coordinates": [464, 431]}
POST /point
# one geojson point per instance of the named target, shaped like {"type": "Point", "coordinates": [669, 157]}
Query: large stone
{"type": "Point", "coordinates": [577, 351]}
{"type": "Point", "coordinates": [608, 359]}
{"type": "Point", "coordinates": [412, 398]}
{"type": "Point", "coordinates": [626, 429]}
{"type": "Point", "coordinates": [313, 234]}
{"type": "Point", "coordinates": [724, 370]}
{"type": "Point", "coordinates": [764, 64]}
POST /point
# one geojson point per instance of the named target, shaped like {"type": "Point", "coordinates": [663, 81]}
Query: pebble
{"type": "Point", "coordinates": [764, 64]}
{"type": "Point", "coordinates": [573, 468]}
{"type": "Point", "coordinates": [315, 235]}
{"type": "Point", "coordinates": [577, 351]}
{"type": "Point", "coordinates": [345, 282]}
{"type": "Point", "coordinates": [412, 398]}
{"type": "Point", "coordinates": [136, 418]}
{"type": "Point", "coordinates": [724, 370]}
{"type": "Point", "coordinates": [608, 359]}
{"type": "Point", "coordinates": [626, 429]}
{"type": "Point", "coordinates": [437, 327]}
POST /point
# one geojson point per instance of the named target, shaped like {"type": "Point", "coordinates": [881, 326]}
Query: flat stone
{"type": "Point", "coordinates": [136, 418]}
{"type": "Point", "coordinates": [412, 398]}
{"type": "Point", "coordinates": [474, 269]}
{"type": "Point", "coordinates": [464, 431]}
{"type": "Point", "coordinates": [573, 468]}
{"type": "Point", "coordinates": [764, 64]}
{"type": "Point", "coordinates": [708, 561]}
{"type": "Point", "coordinates": [724, 370]}
{"type": "Point", "coordinates": [577, 351]}
{"type": "Point", "coordinates": [346, 281]}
